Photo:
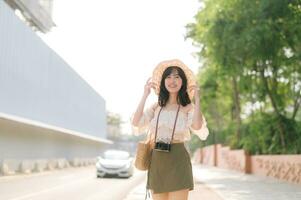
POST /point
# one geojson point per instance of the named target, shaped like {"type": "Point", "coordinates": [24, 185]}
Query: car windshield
{"type": "Point", "coordinates": [116, 155]}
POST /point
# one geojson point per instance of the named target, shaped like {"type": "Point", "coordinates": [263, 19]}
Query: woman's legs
{"type": "Point", "coordinates": [178, 195]}
{"type": "Point", "coordinates": [160, 196]}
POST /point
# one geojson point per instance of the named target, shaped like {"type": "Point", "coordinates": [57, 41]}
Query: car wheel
{"type": "Point", "coordinates": [129, 176]}
{"type": "Point", "coordinates": [99, 176]}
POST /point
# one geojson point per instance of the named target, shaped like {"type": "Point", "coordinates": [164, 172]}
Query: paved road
{"type": "Point", "coordinates": [73, 183]}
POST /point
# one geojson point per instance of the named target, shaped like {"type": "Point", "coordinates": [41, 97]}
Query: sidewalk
{"type": "Point", "coordinates": [231, 185]}
{"type": "Point", "coordinates": [200, 192]}
{"type": "Point", "coordinates": [213, 183]}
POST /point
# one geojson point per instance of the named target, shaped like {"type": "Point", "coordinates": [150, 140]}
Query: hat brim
{"type": "Point", "coordinates": [161, 67]}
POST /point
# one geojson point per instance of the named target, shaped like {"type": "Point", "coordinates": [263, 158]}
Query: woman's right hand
{"type": "Point", "coordinates": [147, 88]}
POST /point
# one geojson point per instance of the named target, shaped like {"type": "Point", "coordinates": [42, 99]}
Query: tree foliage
{"type": "Point", "coordinates": [251, 76]}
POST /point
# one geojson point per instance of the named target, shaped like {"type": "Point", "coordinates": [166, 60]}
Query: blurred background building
{"type": "Point", "coordinates": [47, 110]}
{"type": "Point", "coordinates": [36, 13]}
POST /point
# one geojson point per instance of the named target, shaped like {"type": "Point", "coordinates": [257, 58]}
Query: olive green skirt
{"type": "Point", "coordinates": [170, 171]}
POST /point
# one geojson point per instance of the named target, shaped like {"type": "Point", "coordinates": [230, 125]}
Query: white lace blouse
{"type": "Point", "coordinates": [167, 117]}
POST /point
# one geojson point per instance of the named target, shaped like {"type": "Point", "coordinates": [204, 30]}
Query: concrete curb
{"type": "Point", "coordinates": [27, 166]}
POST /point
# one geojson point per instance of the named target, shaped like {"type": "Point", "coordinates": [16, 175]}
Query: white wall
{"type": "Point", "coordinates": [35, 83]}
{"type": "Point", "coordinates": [22, 141]}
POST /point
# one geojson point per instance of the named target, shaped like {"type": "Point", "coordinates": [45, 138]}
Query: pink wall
{"type": "Point", "coordinates": [208, 155]}
{"type": "Point", "coordinates": [231, 159]}
{"type": "Point", "coordinates": [283, 167]}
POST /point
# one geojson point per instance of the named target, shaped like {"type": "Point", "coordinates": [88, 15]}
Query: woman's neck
{"type": "Point", "coordinates": [172, 99]}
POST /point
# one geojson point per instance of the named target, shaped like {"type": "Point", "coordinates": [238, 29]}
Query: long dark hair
{"type": "Point", "coordinates": [183, 97]}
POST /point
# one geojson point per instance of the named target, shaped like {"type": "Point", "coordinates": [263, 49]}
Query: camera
{"type": "Point", "coordinates": [162, 146]}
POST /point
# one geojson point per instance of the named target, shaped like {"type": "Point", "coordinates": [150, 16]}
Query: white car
{"type": "Point", "coordinates": [115, 162]}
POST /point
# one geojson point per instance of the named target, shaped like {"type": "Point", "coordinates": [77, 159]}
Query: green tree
{"type": "Point", "coordinates": [253, 50]}
{"type": "Point", "coordinates": [114, 125]}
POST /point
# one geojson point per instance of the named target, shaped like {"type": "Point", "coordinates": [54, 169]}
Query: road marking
{"type": "Point", "coordinates": [47, 190]}
{"type": "Point", "coordinates": [67, 176]}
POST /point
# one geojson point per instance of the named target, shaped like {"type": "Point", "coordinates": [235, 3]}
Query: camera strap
{"type": "Point", "coordinates": [147, 194]}
{"type": "Point", "coordinates": [174, 127]}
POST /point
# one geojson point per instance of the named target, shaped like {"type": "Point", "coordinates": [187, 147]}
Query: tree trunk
{"type": "Point", "coordinates": [270, 95]}
{"type": "Point", "coordinates": [237, 109]}
{"type": "Point", "coordinates": [296, 106]}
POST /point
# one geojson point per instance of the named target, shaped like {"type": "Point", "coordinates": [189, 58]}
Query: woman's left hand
{"type": "Point", "coordinates": [196, 91]}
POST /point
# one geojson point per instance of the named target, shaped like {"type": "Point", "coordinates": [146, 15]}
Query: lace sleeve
{"type": "Point", "coordinates": [144, 121]}
{"type": "Point", "coordinates": [203, 132]}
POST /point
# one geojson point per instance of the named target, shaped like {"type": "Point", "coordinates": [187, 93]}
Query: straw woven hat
{"type": "Point", "coordinates": [160, 68]}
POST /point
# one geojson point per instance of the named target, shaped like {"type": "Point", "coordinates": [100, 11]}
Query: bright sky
{"type": "Point", "coordinates": [114, 45]}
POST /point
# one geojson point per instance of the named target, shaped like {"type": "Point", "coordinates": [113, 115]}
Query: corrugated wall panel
{"type": "Point", "coordinates": [37, 84]}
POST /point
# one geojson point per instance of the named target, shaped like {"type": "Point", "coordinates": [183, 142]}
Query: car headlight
{"type": "Point", "coordinates": [98, 165]}
{"type": "Point", "coordinates": [128, 165]}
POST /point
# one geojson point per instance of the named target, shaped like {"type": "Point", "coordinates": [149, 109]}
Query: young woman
{"type": "Point", "coordinates": [169, 122]}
